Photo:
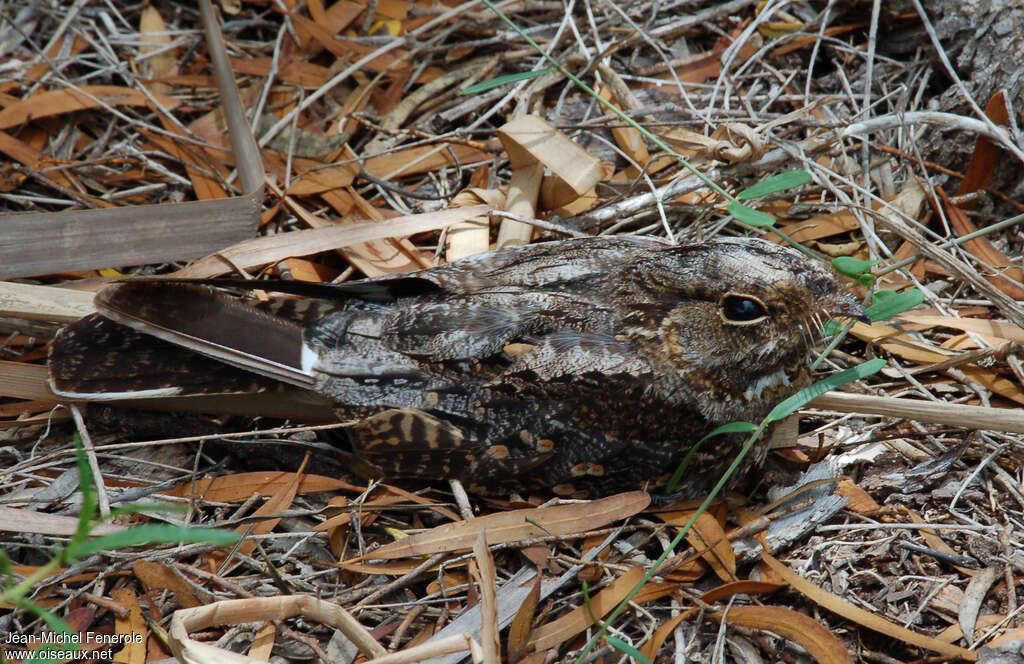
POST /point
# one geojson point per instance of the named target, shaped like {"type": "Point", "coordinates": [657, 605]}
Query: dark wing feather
{"type": "Point", "coordinates": [213, 324]}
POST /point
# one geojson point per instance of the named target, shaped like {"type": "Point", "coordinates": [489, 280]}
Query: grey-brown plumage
{"type": "Point", "coordinates": [578, 366]}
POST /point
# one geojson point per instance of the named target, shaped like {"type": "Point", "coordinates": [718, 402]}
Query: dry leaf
{"type": "Point", "coordinates": [974, 596]}
{"type": "Point", "coordinates": [274, 248]}
{"type": "Point", "coordinates": [990, 328]}
{"type": "Point", "coordinates": [131, 628]}
{"type": "Point", "coordinates": [69, 100]}
{"type": "Point", "coordinates": [557, 632]}
{"type": "Point", "coordinates": [859, 500]}
{"type": "Point", "coordinates": [708, 537]}
{"type": "Point", "coordinates": [819, 643]}
{"type": "Point", "coordinates": [861, 616]}
{"type": "Point", "coordinates": [239, 486]}
{"type": "Point", "coordinates": [160, 577]}
{"type": "Point", "coordinates": [522, 625]}
{"type": "Point", "coordinates": [517, 525]}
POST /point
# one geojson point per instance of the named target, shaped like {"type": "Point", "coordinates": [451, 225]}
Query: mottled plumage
{"type": "Point", "coordinates": [578, 366]}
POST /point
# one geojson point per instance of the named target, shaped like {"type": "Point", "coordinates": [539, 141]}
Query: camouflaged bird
{"type": "Point", "coordinates": [578, 367]}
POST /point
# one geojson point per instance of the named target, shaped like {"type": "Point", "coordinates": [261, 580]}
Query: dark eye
{"type": "Point", "coordinates": [742, 309]}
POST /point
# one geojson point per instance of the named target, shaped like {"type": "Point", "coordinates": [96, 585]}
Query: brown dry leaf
{"type": "Point", "coordinates": [530, 139]}
{"type": "Point", "coordinates": [986, 252]}
{"type": "Point", "coordinates": [629, 140]}
{"type": "Point", "coordinates": [953, 633]}
{"type": "Point", "coordinates": [1006, 637]}
{"type": "Point", "coordinates": [428, 502]}
{"type": "Point", "coordinates": [904, 346]}
{"type": "Point", "coordinates": [819, 643]}
{"type": "Point", "coordinates": [154, 37]}
{"type": "Point", "coordinates": [275, 248]}
{"type": "Point", "coordinates": [69, 100]}
{"type": "Point", "coordinates": [990, 328]}
{"type": "Point", "coordinates": [392, 568]}
{"type": "Point", "coordinates": [653, 645]}
{"type": "Point", "coordinates": [974, 596]}
{"type": "Point", "coordinates": [856, 614]}
{"type": "Point", "coordinates": [19, 380]}
{"type": "Point", "coordinates": [933, 540]}
{"type": "Point", "coordinates": [319, 180]}
{"type": "Point", "coordinates": [815, 228]}
{"type": "Point", "coordinates": [33, 158]}
{"type": "Point", "coordinates": [240, 486]}
{"type": "Point", "coordinates": [798, 41]}
{"type": "Point", "coordinates": [333, 20]}
{"type": "Point", "coordinates": [297, 72]}
{"type": "Point", "coordinates": [557, 632]}
{"type": "Point", "coordinates": [449, 583]}
{"type": "Point", "coordinates": [395, 62]}
{"type": "Point", "coordinates": [344, 517]}
{"type": "Point", "coordinates": [489, 639]}
{"type": "Point", "coordinates": [708, 537]}
{"type": "Point", "coordinates": [422, 159]}
{"type": "Point", "coordinates": [263, 642]}
{"type": "Point", "coordinates": [378, 258]}
{"type": "Point", "coordinates": [592, 572]}
{"type": "Point", "coordinates": [986, 154]}
{"type": "Point", "coordinates": [743, 587]}
{"type": "Point", "coordinates": [236, 611]}
{"type": "Point", "coordinates": [134, 650]}
{"type": "Point", "coordinates": [279, 501]}
{"type": "Point", "coordinates": [195, 160]}
{"type": "Point", "coordinates": [516, 525]}
{"type": "Point", "coordinates": [860, 501]}
{"type": "Point", "coordinates": [160, 577]}
{"type": "Point", "coordinates": [18, 520]}
{"type": "Point", "coordinates": [522, 625]}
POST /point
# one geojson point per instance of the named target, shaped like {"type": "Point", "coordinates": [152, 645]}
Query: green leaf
{"type": "Point", "coordinates": [156, 534]}
{"type": "Point", "coordinates": [497, 82]}
{"type": "Point", "coordinates": [780, 182]}
{"type": "Point", "coordinates": [809, 394]}
{"type": "Point", "coordinates": [750, 216]}
{"type": "Point", "coordinates": [832, 328]}
{"type": "Point", "coordinates": [6, 569]}
{"type": "Point", "coordinates": [866, 279]}
{"type": "Point", "coordinates": [886, 303]}
{"type": "Point", "coordinates": [627, 649]}
{"type": "Point", "coordinates": [731, 427]}
{"type": "Point", "coordinates": [89, 501]}
{"type": "Point", "coordinates": [54, 622]}
{"type": "Point", "coordinates": [852, 267]}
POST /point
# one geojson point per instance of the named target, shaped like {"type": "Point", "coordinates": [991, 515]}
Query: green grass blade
{"type": "Point", "coordinates": [886, 303]}
{"type": "Point", "coordinates": [627, 649]}
{"type": "Point", "coordinates": [852, 267]}
{"type": "Point", "coordinates": [731, 427]}
{"type": "Point", "coordinates": [775, 183]}
{"type": "Point", "coordinates": [157, 534]}
{"type": "Point", "coordinates": [498, 81]}
{"type": "Point", "coordinates": [809, 394]}
{"type": "Point", "coordinates": [89, 500]}
{"type": "Point", "coordinates": [54, 622]}
{"type": "Point", "coordinates": [750, 216]}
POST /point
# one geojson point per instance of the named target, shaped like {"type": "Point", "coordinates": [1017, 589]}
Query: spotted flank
{"type": "Point", "coordinates": [402, 429]}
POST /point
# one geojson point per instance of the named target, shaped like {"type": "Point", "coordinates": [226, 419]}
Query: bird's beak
{"type": "Point", "coordinates": [845, 305]}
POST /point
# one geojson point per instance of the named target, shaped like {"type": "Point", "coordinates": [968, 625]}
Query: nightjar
{"type": "Point", "coordinates": [575, 367]}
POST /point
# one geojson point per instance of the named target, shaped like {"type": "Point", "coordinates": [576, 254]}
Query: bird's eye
{"type": "Point", "coordinates": [742, 309]}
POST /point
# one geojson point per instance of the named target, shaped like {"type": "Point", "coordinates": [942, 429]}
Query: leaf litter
{"type": "Point", "coordinates": [364, 140]}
